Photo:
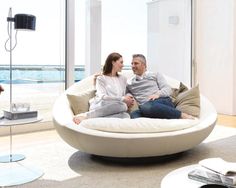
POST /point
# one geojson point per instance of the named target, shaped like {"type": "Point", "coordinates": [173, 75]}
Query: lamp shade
{"type": "Point", "coordinates": [25, 21]}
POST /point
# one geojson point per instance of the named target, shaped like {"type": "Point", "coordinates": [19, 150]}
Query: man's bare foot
{"type": "Point", "coordinates": [79, 119]}
{"type": "Point", "coordinates": [186, 116]}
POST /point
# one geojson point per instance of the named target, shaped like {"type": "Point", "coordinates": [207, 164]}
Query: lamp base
{"type": "Point", "coordinates": [11, 158]}
{"type": "Point", "coordinates": [19, 115]}
{"type": "Point", "coordinates": [13, 174]}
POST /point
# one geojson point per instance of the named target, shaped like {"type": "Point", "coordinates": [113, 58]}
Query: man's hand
{"type": "Point", "coordinates": [129, 100]}
{"type": "Point", "coordinates": [153, 97]}
{"type": "Point", "coordinates": [95, 77]}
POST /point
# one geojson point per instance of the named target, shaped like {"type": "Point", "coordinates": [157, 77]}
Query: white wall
{"type": "Point", "coordinates": [215, 39]}
{"type": "Point", "coordinates": [169, 38]}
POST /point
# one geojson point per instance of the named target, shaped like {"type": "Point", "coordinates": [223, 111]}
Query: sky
{"type": "Point", "coordinates": [124, 25]}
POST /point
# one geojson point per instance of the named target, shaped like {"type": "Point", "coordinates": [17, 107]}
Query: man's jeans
{"type": "Point", "coordinates": [159, 108]}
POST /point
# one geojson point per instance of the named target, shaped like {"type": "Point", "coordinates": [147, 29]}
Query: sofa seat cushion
{"type": "Point", "coordinates": [139, 125]}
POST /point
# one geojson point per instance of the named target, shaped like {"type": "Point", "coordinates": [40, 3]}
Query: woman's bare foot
{"type": "Point", "coordinates": [79, 119]}
{"type": "Point", "coordinates": [186, 116]}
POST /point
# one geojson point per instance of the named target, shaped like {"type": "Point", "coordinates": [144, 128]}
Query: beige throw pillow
{"type": "Point", "coordinates": [189, 101]}
{"type": "Point", "coordinates": [175, 92]}
{"type": "Point", "coordinates": [80, 103]}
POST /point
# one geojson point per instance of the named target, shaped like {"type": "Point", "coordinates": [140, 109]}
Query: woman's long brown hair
{"type": "Point", "coordinates": [107, 68]}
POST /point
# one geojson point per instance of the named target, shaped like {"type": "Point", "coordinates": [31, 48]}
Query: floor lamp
{"type": "Point", "coordinates": [21, 22]}
{"type": "Point", "coordinates": [14, 173]}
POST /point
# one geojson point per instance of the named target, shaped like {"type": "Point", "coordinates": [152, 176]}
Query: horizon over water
{"type": "Point", "coordinates": [29, 74]}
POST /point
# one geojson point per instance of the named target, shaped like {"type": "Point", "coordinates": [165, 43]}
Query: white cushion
{"type": "Point", "coordinates": [139, 125]}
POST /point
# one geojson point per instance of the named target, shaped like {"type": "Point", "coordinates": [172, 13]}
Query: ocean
{"type": "Point", "coordinates": [23, 74]}
{"type": "Point", "coordinates": [30, 74]}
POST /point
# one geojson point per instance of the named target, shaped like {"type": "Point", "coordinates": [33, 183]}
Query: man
{"type": "Point", "coordinates": [151, 92]}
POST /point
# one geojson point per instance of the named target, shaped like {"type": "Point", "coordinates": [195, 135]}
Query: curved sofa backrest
{"type": "Point", "coordinates": [88, 84]}
{"type": "Point", "coordinates": [81, 86]}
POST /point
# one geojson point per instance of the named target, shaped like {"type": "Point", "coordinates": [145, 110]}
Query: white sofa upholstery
{"type": "Point", "coordinates": [131, 143]}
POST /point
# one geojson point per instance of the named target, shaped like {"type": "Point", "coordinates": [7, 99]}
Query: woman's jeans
{"type": "Point", "coordinates": [162, 108]}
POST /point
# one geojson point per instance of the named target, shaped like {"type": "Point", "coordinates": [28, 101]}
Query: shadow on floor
{"type": "Point", "coordinates": [100, 172]}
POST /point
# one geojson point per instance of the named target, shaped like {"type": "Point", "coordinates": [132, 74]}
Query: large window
{"type": "Point", "coordinates": [38, 59]}
{"type": "Point", "coordinates": [123, 29]}
{"type": "Point", "coordinates": [161, 30]}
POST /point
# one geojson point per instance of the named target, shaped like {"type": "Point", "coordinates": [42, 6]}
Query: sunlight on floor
{"type": "Point", "coordinates": [220, 132]}
{"type": "Point", "coordinates": [44, 150]}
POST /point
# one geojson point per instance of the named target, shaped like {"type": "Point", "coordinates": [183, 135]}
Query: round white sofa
{"type": "Point", "coordinates": [129, 144]}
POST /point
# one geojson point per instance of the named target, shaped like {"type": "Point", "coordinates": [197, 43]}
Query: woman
{"type": "Point", "coordinates": [110, 99]}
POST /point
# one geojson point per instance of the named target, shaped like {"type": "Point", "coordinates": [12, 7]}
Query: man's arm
{"type": "Point", "coordinates": [165, 89]}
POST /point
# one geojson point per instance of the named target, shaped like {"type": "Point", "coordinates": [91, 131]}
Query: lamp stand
{"type": "Point", "coordinates": [11, 157]}
{"type": "Point", "coordinates": [10, 50]}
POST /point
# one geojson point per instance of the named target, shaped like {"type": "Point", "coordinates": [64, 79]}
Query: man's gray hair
{"type": "Point", "coordinates": [141, 56]}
